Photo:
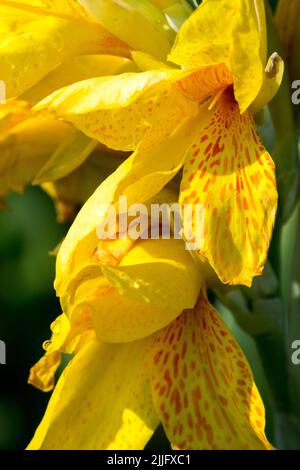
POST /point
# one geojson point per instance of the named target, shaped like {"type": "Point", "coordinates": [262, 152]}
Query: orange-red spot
{"type": "Point", "coordinates": [175, 399]}
{"type": "Point", "coordinates": [208, 148]}
{"type": "Point", "coordinates": [223, 400]}
{"type": "Point", "coordinates": [184, 349]}
{"type": "Point", "coordinates": [175, 363]}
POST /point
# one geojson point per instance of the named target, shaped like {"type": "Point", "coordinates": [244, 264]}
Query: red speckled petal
{"type": "Point", "coordinates": [229, 171]}
{"type": "Point", "coordinates": [205, 82]}
{"type": "Point", "coordinates": [122, 110]}
{"type": "Point", "coordinates": [202, 385]}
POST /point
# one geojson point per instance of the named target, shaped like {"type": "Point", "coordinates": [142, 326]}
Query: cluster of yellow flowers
{"type": "Point", "coordinates": [127, 94]}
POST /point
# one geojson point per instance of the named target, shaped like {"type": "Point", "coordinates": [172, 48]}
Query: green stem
{"type": "Point", "coordinates": [285, 153]}
{"type": "Point", "coordinates": [293, 326]}
{"type": "Point", "coordinates": [272, 351]}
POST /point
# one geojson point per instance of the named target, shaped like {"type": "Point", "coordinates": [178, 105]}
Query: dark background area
{"type": "Point", "coordinates": [28, 231]}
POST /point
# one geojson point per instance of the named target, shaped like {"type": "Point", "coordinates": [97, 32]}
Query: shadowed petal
{"type": "Point", "coordinates": [202, 385]}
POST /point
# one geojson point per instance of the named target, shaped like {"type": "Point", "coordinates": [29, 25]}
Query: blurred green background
{"type": "Point", "coordinates": [28, 231]}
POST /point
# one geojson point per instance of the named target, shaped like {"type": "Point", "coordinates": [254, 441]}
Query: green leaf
{"type": "Point", "coordinates": [291, 285]}
{"type": "Point", "coordinates": [288, 173]}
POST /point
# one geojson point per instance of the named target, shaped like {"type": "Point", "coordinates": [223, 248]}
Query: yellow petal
{"type": "Point", "coordinates": [154, 282]}
{"type": "Point", "coordinates": [161, 273]}
{"type": "Point", "coordinates": [139, 23]}
{"type": "Point", "coordinates": [72, 191]}
{"type": "Point", "coordinates": [202, 385]}
{"type": "Point", "coordinates": [232, 32]}
{"type": "Point", "coordinates": [121, 111]}
{"type": "Point", "coordinates": [59, 8]}
{"type": "Point", "coordinates": [162, 4]}
{"type": "Point", "coordinates": [233, 176]}
{"type": "Point", "coordinates": [146, 62]}
{"type": "Point", "coordinates": [75, 70]}
{"type": "Point", "coordinates": [177, 14]}
{"type": "Point", "coordinates": [12, 113]}
{"type": "Point", "coordinates": [139, 178]}
{"type": "Point", "coordinates": [272, 81]}
{"type": "Point", "coordinates": [66, 336]}
{"type": "Point", "coordinates": [68, 156]}
{"type": "Point", "coordinates": [43, 372]}
{"type": "Point", "coordinates": [205, 83]}
{"type": "Point", "coordinates": [101, 401]}
{"type": "Point", "coordinates": [26, 147]}
{"type": "Point", "coordinates": [27, 54]}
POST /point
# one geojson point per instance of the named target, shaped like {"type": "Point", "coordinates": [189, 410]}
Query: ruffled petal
{"type": "Point", "coordinates": [67, 157]}
{"type": "Point", "coordinates": [72, 191]}
{"type": "Point", "coordinates": [138, 23]}
{"type": "Point", "coordinates": [205, 83]}
{"type": "Point", "coordinates": [75, 70]}
{"type": "Point", "coordinates": [121, 111]}
{"type": "Point", "coordinates": [102, 401]}
{"type": "Point", "coordinates": [66, 336]}
{"type": "Point", "coordinates": [202, 385]}
{"type": "Point", "coordinates": [231, 174]}
{"type": "Point", "coordinates": [27, 55]}
{"type": "Point", "coordinates": [154, 282]}
{"type": "Point", "coordinates": [232, 32]}
{"type": "Point", "coordinates": [26, 144]}
{"type": "Point", "coordinates": [43, 372]}
{"type": "Point", "coordinates": [139, 178]}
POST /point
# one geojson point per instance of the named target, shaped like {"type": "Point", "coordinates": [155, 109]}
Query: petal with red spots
{"type": "Point", "coordinates": [231, 174]}
{"type": "Point", "coordinates": [202, 385]}
{"type": "Point", "coordinates": [205, 82]}
{"type": "Point", "coordinates": [121, 111]}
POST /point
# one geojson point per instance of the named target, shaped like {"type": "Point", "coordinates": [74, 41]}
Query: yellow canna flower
{"type": "Point", "coordinates": [199, 117]}
{"type": "Point", "coordinates": [148, 348]}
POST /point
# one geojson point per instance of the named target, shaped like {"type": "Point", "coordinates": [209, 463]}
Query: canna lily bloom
{"type": "Point", "coordinates": [199, 117]}
{"type": "Point", "coordinates": [147, 348]}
